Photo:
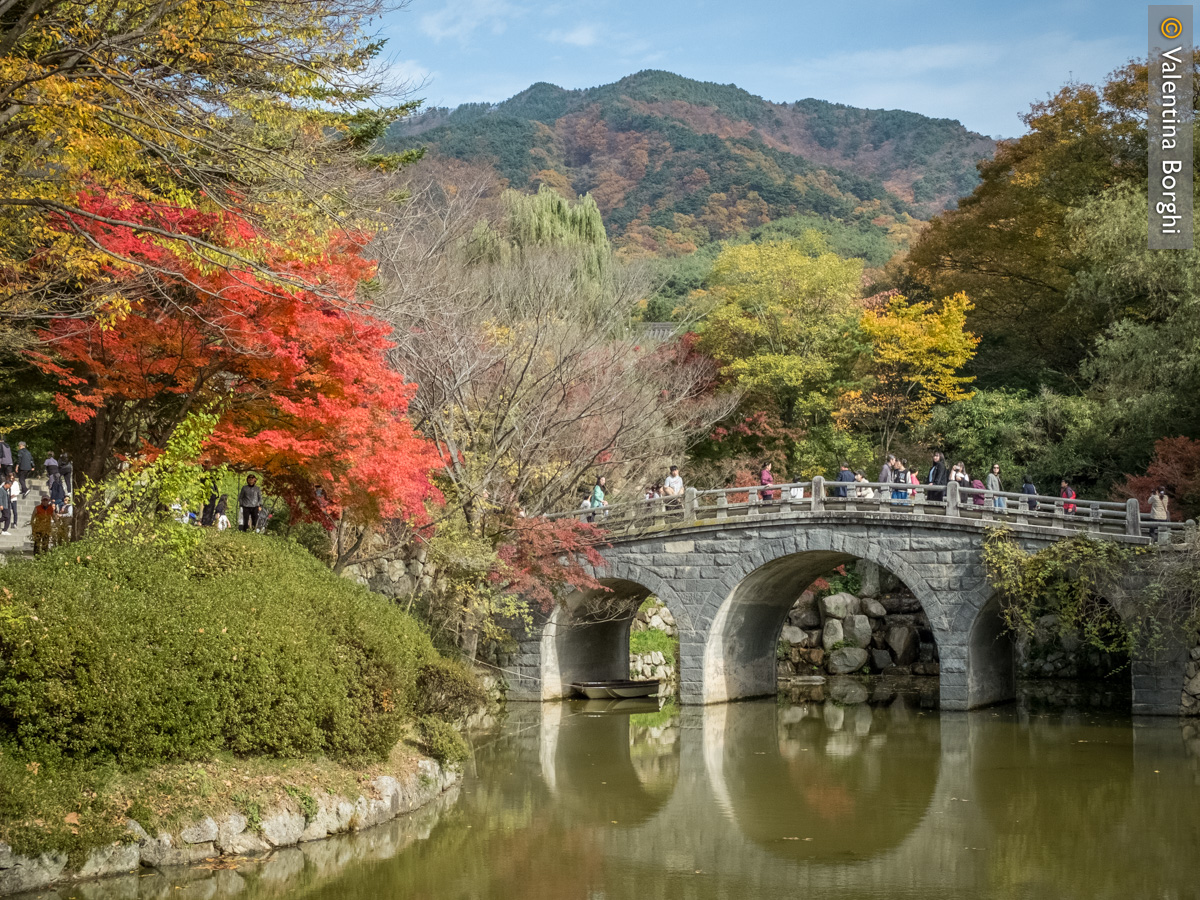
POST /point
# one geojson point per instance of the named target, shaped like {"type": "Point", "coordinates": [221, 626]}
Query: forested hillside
{"type": "Point", "coordinates": [674, 163]}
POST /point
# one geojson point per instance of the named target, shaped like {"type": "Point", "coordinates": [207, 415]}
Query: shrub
{"type": "Point", "coordinates": [446, 689]}
{"type": "Point", "coordinates": [243, 644]}
{"type": "Point", "coordinates": [441, 741]}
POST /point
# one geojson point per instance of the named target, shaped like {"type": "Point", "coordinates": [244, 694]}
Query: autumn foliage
{"type": "Point", "coordinates": [300, 377]}
{"type": "Point", "coordinates": [1175, 466]}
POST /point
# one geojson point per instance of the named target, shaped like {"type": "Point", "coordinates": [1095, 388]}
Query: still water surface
{"type": "Point", "coordinates": [792, 799]}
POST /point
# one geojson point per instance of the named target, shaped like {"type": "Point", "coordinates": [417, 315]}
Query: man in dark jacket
{"type": "Point", "coordinates": [6, 458]}
{"type": "Point", "coordinates": [938, 475]}
{"type": "Point", "coordinates": [845, 475]}
{"type": "Point", "coordinates": [24, 466]}
{"type": "Point", "coordinates": [66, 469]}
{"type": "Point", "coordinates": [250, 500]}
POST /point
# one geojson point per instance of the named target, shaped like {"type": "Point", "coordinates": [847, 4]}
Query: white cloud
{"type": "Point", "coordinates": [404, 75]}
{"type": "Point", "coordinates": [459, 19]}
{"type": "Point", "coordinates": [984, 85]}
{"type": "Point", "coordinates": [579, 36]}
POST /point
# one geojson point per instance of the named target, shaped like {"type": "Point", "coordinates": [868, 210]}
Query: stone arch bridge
{"type": "Point", "coordinates": [729, 565]}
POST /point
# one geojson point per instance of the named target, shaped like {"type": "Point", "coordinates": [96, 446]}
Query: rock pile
{"type": "Point", "coordinates": [840, 634]}
{"type": "Point", "coordinates": [1190, 705]}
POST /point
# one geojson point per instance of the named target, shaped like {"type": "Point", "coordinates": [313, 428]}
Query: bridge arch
{"type": "Point", "coordinates": [577, 644]}
{"type": "Point", "coordinates": [739, 652]}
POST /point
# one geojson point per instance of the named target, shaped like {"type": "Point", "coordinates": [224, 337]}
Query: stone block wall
{"type": "Point", "coordinates": [840, 634]}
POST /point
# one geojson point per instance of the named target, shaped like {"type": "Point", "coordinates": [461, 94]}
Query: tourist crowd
{"type": "Point", "coordinates": [897, 481]}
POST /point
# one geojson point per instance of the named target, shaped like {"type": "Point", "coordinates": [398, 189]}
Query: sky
{"type": "Point", "coordinates": [979, 63]}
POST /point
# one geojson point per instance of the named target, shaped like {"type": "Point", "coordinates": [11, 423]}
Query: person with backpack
{"type": "Point", "coordinates": [1067, 493]}
{"type": "Point", "coordinates": [50, 466]}
{"type": "Point", "coordinates": [58, 490]}
{"type": "Point", "coordinates": [1027, 487]}
{"type": "Point", "coordinates": [1160, 509]}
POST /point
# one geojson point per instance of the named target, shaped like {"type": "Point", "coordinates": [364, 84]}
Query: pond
{"type": "Point", "coordinates": [783, 798]}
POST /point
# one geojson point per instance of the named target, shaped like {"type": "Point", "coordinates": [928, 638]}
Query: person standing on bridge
{"type": "Point", "coordinates": [939, 476]}
{"type": "Point", "coordinates": [597, 498]}
{"type": "Point", "coordinates": [886, 473]}
{"type": "Point", "coordinates": [673, 488]}
{"type": "Point", "coordinates": [844, 476]}
{"type": "Point", "coordinates": [1067, 493]}
{"type": "Point", "coordinates": [1028, 488]}
{"type": "Point", "coordinates": [996, 486]}
{"type": "Point", "coordinates": [766, 479]}
{"type": "Point", "coordinates": [1159, 509]}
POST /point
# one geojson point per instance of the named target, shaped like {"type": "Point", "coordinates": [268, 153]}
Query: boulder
{"type": "Point", "coordinates": [847, 691]}
{"type": "Point", "coordinates": [833, 634]}
{"type": "Point", "coordinates": [845, 660]}
{"type": "Point", "coordinates": [904, 643]}
{"type": "Point", "coordinates": [880, 659]}
{"type": "Point", "coordinates": [897, 671]}
{"type": "Point", "coordinates": [665, 615]}
{"type": "Point", "coordinates": [657, 623]}
{"type": "Point", "coordinates": [111, 860]}
{"type": "Point", "coordinates": [201, 832]}
{"type": "Point", "coordinates": [816, 657]}
{"type": "Point", "coordinates": [873, 608]}
{"type": "Point", "coordinates": [857, 629]}
{"type": "Point", "coordinates": [838, 606]}
{"type": "Point", "coordinates": [27, 873]}
{"type": "Point", "coordinates": [283, 828]}
{"type": "Point", "coordinates": [793, 635]}
{"type": "Point", "coordinates": [805, 618]}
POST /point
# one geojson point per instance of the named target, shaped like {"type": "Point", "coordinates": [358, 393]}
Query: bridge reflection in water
{"type": "Point", "coordinates": [773, 799]}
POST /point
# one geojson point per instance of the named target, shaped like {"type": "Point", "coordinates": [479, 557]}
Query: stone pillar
{"type": "Point", "coordinates": [1133, 517]}
{"type": "Point", "coordinates": [818, 493]}
{"type": "Point", "coordinates": [952, 499]}
{"type": "Point", "coordinates": [689, 506]}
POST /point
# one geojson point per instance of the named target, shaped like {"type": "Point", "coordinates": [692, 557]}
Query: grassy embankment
{"type": "Point", "coordinates": [198, 673]}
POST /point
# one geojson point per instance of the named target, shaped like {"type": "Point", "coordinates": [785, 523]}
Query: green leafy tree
{"type": "Point", "coordinates": [781, 324]}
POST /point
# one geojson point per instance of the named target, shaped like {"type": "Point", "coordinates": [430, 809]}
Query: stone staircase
{"type": "Point", "coordinates": [18, 540]}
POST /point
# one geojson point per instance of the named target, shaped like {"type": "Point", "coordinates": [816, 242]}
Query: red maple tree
{"type": "Point", "coordinates": [300, 376]}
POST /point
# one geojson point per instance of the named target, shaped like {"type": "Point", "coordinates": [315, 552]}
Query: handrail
{"type": "Point", "coordinates": [951, 500]}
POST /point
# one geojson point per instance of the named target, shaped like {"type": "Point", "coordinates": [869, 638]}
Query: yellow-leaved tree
{"type": "Point", "coordinates": [210, 105]}
{"type": "Point", "coordinates": [917, 353]}
{"type": "Point", "coordinates": [781, 313]}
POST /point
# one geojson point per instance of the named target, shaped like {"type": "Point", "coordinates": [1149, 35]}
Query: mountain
{"type": "Point", "coordinates": [675, 163]}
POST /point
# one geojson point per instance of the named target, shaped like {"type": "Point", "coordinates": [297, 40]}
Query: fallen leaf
{"type": "Point", "coordinates": [71, 818]}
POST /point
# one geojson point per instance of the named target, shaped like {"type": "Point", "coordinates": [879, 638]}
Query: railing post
{"type": "Point", "coordinates": [1189, 531]}
{"type": "Point", "coordinates": [689, 506]}
{"type": "Point", "coordinates": [722, 507]}
{"type": "Point", "coordinates": [952, 500]}
{"type": "Point", "coordinates": [818, 493]}
{"type": "Point", "coordinates": [1133, 517]}
{"type": "Point", "coordinates": [1094, 524]}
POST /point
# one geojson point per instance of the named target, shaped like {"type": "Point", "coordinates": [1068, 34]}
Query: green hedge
{"type": "Point", "coordinates": [241, 643]}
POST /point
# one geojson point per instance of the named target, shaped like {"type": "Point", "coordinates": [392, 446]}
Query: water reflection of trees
{"type": "Point", "coordinates": [823, 781]}
{"type": "Point", "coordinates": [1067, 793]}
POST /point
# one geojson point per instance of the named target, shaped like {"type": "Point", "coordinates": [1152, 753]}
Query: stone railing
{"type": "Point", "coordinates": [950, 501]}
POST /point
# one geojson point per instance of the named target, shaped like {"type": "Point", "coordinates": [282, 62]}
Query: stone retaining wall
{"type": "Point", "coordinates": [282, 826]}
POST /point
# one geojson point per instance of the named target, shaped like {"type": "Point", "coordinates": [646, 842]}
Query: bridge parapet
{"type": "Point", "coordinates": [1063, 517]}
